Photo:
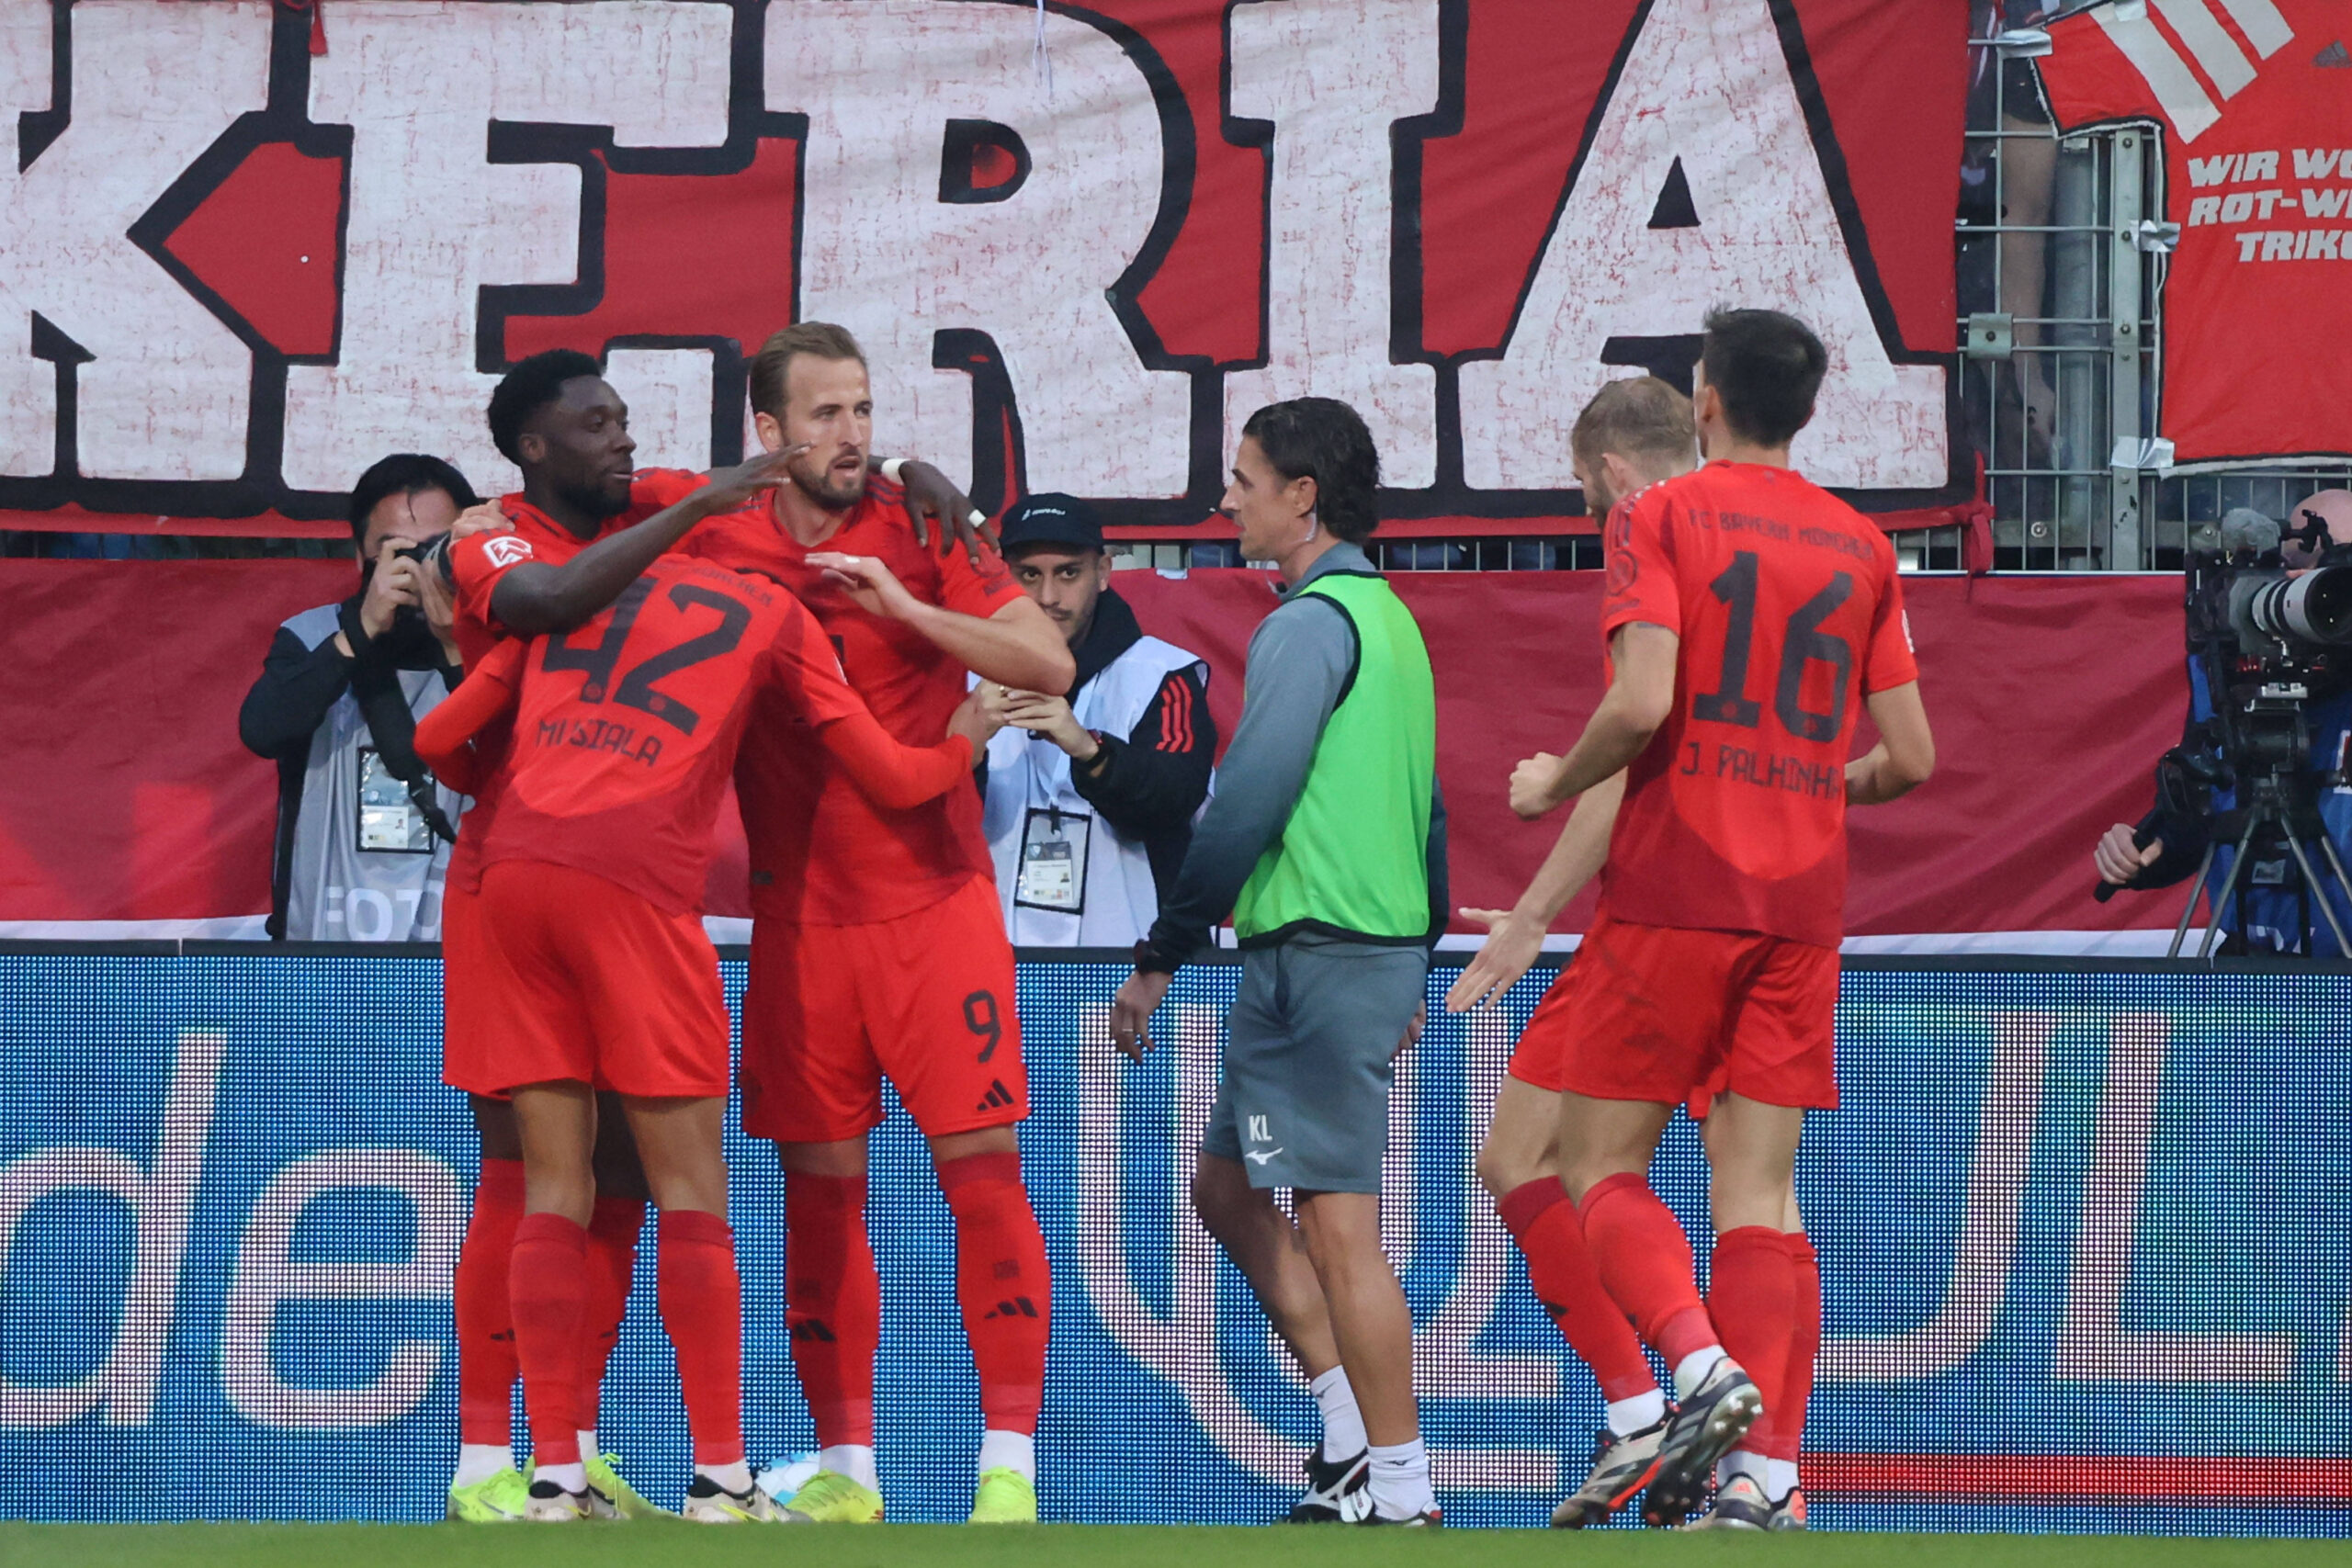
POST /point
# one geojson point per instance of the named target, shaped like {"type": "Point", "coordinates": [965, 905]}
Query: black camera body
{"type": "Point", "coordinates": [432, 554]}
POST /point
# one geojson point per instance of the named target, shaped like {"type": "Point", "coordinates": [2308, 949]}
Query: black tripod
{"type": "Point", "coordinates": [2281, 808]}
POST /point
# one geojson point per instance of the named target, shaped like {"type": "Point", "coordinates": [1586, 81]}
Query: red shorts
{"type": "Point", "coordinates": [581, 979]}
{"type": "Point", "coordinates": [926, 999]}
{"type": "Point", "coordinates": [465, 964]}
{"type": "Point", "coordinates": [1662, 1014]}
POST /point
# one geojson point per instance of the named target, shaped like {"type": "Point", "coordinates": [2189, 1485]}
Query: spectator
{"type": "Point", "coordinates": [1091, 798]}
{"type": "Point", "coordinates": [363, 833]}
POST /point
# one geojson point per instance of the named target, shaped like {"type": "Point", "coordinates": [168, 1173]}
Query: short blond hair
{"type": "Point", "coordinates": [1644, 417]}
{"type": "Point", "coordinates": [771, 367]}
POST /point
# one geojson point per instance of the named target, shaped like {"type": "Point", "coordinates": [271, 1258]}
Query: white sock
{"type": "Point", "coordinates": [1343, 1422]}
{"type": "Point", "coordinates": [588, 1449]}
{"type": "Point", "coordinates": [735, 1478]}
{"type": "Point", "coordinates": [1692, 1369]}
{"type": "Point", "coordinates": [1627, 1416]}
{"type": "Point", "coordinates": [1400, 1480]}
{"type": "Point", "coordinates": [1009, 1450]}
{"type": "Point", "coordinates": [1740, 1462]}
{"type": "Point", "coordinates": [852, 1460]}
{"type": "Point", "coordinates": [479, 1461]}
{"type": "Point", "coordinates": [571, 1477]}
{"type": "Point", "coordinates": [1779, 1478]}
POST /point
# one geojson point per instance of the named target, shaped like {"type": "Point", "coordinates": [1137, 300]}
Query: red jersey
{"type": "Point", "coordinates": [626, 727]}
{"type": "Point", "coordinates": [822, 853]}
{"type": "Point", "coordinates": [1789, 612]}
{"type": "Point", "coordinates": [2256, 99]}
{"type": "Point", "coordinates": [479, 560]}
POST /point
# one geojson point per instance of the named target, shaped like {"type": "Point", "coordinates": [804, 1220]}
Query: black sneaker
{"type": "Point", "coordinates": [1717, 1414]}
{"type": "Point", "coordinates": [1620, 1468]}
{"type": "Point", "coordinates": [1739, 1505]}
{"type": "Point", "coordinates": [1788, 1513]}
{"type": "Point", "coordinates": [1335, 1489]}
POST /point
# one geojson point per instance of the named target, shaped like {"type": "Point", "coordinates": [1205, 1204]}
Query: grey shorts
{"type": "Point", "coordinates": [1304, 1101]}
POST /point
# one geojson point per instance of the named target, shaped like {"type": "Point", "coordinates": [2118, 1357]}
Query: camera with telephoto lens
{"type": "Point", "coordinates": [2270, 639]}
{"type": "Point", "coordinates": [2270, 624]}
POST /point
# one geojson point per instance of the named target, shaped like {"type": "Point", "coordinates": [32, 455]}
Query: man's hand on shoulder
{"type": "Point", "coordinates": [932, 499]}
{"type": "Point", "coordinates": [483, 517]}
{"type": "Point", "coordinates": [870, 583]}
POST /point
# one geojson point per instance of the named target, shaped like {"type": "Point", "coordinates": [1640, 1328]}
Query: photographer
{"type": "Point", "coordinates": [363, 834]}
{"type": "Point", "coordinates": [2236, 720]}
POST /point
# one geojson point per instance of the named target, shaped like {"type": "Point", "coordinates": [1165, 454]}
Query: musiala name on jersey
{"type": "Point", "coordinates": [600, 735]}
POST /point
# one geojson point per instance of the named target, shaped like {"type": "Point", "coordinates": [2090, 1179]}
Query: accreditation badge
{"type": "Point", "coordinates": [388, 821]}
{"type": "Point", "coordinates": [1053, 861]}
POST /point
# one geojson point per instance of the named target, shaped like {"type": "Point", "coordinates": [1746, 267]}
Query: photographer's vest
{"type": "Point", "coordinates": [362, 870]}
{"type": "Point", "coordinates": [1033, 805]}
{"type": "Point", "coordinates": [1353, 857]}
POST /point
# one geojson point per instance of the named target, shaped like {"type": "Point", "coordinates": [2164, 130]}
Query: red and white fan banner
{"type": "Point", "coordinates": [246, 248]}
{"type": "Point", "coordinates": [2253, 99]}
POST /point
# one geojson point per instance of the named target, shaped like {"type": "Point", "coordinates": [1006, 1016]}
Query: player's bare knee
{"type": "Point", "coordinates": [1224, 1199]}
{"type": "Point", "coordinates": [1503, 1170]}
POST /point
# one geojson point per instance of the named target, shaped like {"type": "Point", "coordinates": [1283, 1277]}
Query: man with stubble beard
{"type": "Point", "coordinates": [877, 947]}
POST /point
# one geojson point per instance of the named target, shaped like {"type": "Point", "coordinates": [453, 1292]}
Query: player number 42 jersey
{"type": "Point", "coordinates": [1788, 611]}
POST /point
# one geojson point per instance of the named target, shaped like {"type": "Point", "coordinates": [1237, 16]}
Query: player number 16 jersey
{"type": "Point", "coordinates": [1788, 613]}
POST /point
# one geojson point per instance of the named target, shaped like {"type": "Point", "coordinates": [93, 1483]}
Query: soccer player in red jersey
{"type": "Point", "coordinates": [1633, 434]}
{"type": "Point", "coordinates": [878, 943]}
{"type": "Point", "coordinates": [598, 970]}
{"type": "Point", "coordinates": [564, 426]}
{"type": "Point", "coordinates": [1743, 609]}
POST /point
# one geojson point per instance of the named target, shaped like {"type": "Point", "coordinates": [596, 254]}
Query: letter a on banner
{"type": "Point", "coordinates": [1706, 83]}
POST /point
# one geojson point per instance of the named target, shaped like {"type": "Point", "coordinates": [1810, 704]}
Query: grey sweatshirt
{"type": "Point", "coordinates": [1301, 657]}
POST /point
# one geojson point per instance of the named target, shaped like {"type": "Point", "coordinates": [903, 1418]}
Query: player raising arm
{"type": "Point", "coordinates": [1633, 434]}
{"type": "Point", "coordinates": [1743, 606]}
{"type": "Point", "coordinates": [598, 970]}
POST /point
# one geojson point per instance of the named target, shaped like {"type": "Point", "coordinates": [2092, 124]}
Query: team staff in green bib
{"type": "Point", "coordinates": [1325, 841]}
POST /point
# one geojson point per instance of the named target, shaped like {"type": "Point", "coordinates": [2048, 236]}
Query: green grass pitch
{"type": "Point", "coordinates": [1077, 1546]}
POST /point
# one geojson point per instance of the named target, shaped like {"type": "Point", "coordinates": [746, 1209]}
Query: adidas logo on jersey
{"type": "Point", "coordinates": [2335, 57]}
{"type": "Point", "coordinates": [998, 1096]}
{"type": "Point", "coordinates": [1019, 1306]}
{"type": "Point", "coordinates": [811, 1329]}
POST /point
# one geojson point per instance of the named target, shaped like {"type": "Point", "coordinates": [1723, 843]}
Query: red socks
{"type": "Point", "coordinates": [548, 1281]}
{"type": "Point", "coordinates": [486, 1364]}
{"type": "Point", "coordinates": [1541, 1220]}
{"type": "Point", "coordinates": [833, 1303]}
{"type": "Point", "coordinates": [1644, 1261]}
{"type": "Point", "coordinates": [613, 1231]}
{"type": "Point", "coordinates": [1804, 1348]}
{"type": "Point", "coordinates": [1751, 1295]}
{"type": "Point", "coordinates": [702, 1308]}
{"type": "Point", "coordinates": [1004, 1283]}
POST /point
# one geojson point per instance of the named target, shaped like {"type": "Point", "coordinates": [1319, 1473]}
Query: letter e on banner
{"type": "Point", "coordinates": [267, 1275]}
